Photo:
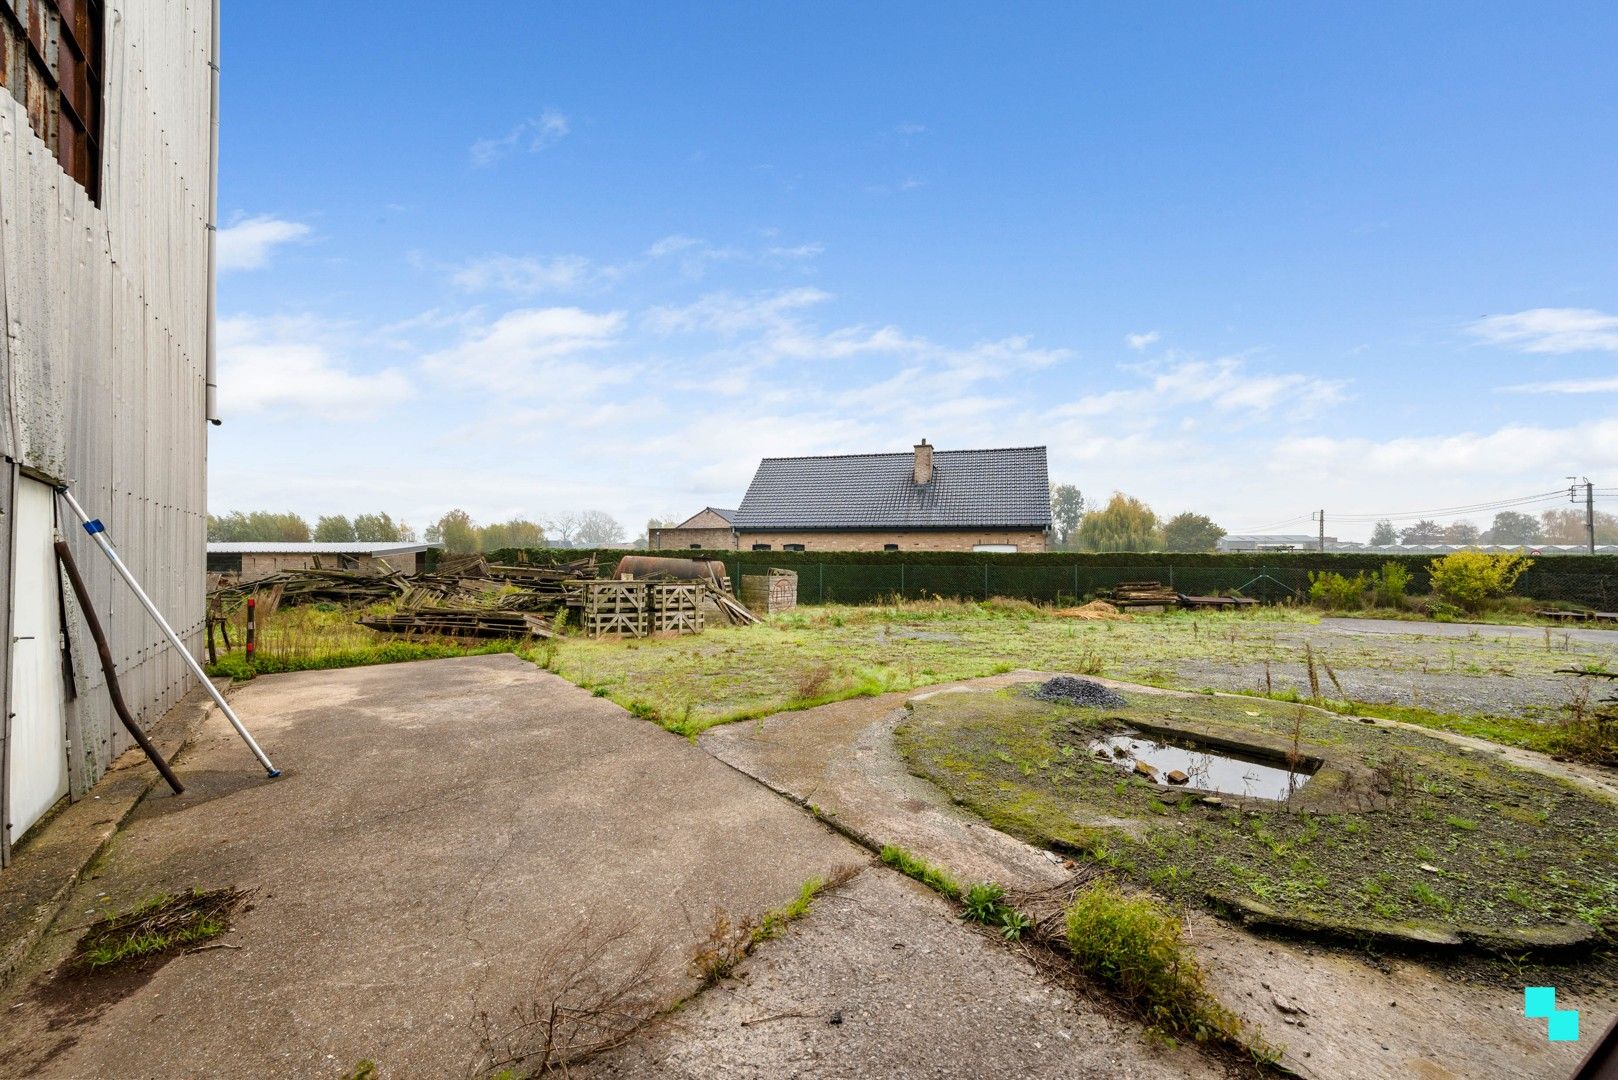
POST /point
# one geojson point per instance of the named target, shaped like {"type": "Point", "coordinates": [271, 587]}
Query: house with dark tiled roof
{"type": "Point", "coordinates": [924, 500]}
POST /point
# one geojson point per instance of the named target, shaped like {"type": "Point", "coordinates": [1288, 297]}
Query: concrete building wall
{"type": "Point", "coordinates": [102, 353]}
{"type": "Point", "coordinates": [914, 540]}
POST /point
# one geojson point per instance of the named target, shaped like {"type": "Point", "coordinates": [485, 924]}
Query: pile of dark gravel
{"type": "Point", "coordinates": [1071, 690]}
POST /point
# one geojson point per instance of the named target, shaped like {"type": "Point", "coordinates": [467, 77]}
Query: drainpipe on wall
{"type": "Point", "coordinates": [211, 362]}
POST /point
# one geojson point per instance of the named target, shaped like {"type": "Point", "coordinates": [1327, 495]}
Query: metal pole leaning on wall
{"type": "Point", "coordinates": [98, 533]}
{"type": "Point", "coordinates": [110, 670]}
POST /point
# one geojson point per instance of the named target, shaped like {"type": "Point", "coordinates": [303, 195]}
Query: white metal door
{"type": "Point", "coordinates": [38, 750]}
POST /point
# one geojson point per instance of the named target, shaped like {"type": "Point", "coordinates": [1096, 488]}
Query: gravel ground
{"type": "Point", "coordinates": [1439, 692]}
{"type": "Point", "coordinates": [1070, 690]}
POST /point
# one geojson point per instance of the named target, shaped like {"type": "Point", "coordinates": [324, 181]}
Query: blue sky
{"type": "Point", "coordinates": [1244, 259]}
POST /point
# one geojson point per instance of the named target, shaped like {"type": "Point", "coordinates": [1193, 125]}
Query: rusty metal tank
{"type": "Point", "coordinates": [644, 567]}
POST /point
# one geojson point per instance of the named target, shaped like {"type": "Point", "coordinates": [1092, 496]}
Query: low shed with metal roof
{"type": "Point", "coordinates": [249, 560]}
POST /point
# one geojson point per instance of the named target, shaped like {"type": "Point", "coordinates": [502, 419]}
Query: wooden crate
{"type": "Point", "coordinates": [615, 607]}
{"type": "Point", "coordinates": [675, 606]}
{"type": "Point", "coordinates": [766, 594]}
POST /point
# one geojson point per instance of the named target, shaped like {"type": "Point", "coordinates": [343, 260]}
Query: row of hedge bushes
{"type": "Point", "coordinates": [864, 576]}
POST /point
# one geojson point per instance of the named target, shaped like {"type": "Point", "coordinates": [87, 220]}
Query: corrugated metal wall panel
{"type": "Point", "coordinates": [103, 351]}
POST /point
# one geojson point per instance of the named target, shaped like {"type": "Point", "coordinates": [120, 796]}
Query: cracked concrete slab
{"type": "Point", "coordinates": [882, 980]}
{"type": "Point", "coordinates": [439, 826]}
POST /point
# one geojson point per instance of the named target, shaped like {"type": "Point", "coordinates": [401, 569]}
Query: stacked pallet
{"type": "Point", "coordinates": [615, 607]}
{"type": "Point", "coordinates": [675, 607]}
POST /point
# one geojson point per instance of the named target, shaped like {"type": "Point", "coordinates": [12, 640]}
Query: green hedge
{"type": "Point", "coordinates": [1058, 576]}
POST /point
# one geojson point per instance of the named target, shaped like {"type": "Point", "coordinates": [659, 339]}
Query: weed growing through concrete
{"type": "Point", "coordinates": [588, 995]}
{"type": "Point", "coordinates": [1137, 946]}
{"type": "Point", "coordinates": [158, 925]}
{"type": "Point", "coordinates": [920, 869]}
{"type": "Point", "coordinates": [728, 941]}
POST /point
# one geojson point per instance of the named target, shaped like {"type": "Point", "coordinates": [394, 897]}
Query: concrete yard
{"type": "Point", "coordinates": [444, 831]}
{"type": "Point", "coordinates": [440, 824]}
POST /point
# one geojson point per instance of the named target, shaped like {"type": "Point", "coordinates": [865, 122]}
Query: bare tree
{"type": "Point", "coordinates": [598, 529]}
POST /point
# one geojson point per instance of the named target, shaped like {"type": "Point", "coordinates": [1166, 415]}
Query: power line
{"type": "Point", "coordinates": [1471, 508]}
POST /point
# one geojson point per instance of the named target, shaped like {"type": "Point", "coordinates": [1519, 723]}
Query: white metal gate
{"type": "Point", "coordinates": [36, 757]}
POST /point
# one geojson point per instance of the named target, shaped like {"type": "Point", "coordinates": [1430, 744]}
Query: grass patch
{"type": "Point", "coordinates": [913, 866]}
{"type": "Point", "coordinates": [158, 925]}
{"type": "Point", "coordinates": [1137, 946]}
{"type": "Point", "coordinates": [320, 637]}
{"type": "Point", "coordinates": [1346, 850]}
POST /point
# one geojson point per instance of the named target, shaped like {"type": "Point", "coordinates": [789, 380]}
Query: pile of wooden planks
{"type": "Point", "coordinates": [461, 622]}
{"type": "Point", "coordinates": [345, 587]}
{"type": "Point", "coordinates": [1127, 594]}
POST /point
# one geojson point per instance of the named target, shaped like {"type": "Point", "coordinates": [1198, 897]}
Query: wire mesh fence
{"type": "Point", "coordinates": [864, 583]}
{"type": "Point", "coordinates": [854, 583]}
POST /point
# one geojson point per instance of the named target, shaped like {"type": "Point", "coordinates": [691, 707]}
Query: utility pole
{"type": "Point", "coordinates": [1320, 516]}
{"type": "Point", "coordinates": [1589, 507]}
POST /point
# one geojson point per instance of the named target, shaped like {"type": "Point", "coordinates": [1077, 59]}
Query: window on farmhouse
{"type": "Point", "coordinates": [50, 60]}
{"type": "Point", "coordinates": [761, 547]}
{"type": "Point", "coordinates": [791, 547]}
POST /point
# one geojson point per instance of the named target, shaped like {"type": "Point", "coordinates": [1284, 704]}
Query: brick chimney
{"type": "Point", "coordinates": [924, 462]}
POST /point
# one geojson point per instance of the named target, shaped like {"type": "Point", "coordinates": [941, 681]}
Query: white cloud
{"type": "Point", "coordinates": [532, 136]}
{"type": "Point", "coordinates": [534, 353]}
{"type": "Point", "coordinates": [1224, 384]}
{"type": "Point", "coordinates": [298, 364]}
{"type": "Point", "coordinates": [729, 314]}
{"type": "Point", "coordinates": [911, 128]}
{"type": "Point", "coordinates": [1511, 451]}
{"type": "Point", "coordinates": [1139, 342]}
{"type": "Point", "coordinates": [508, 273]}
{"type": "Point", "coordinates": [1550, 330]}
{"type": "Point", "coordinates": [1567, 386]}
{"type": "Point", "coordinates": [248, 244]}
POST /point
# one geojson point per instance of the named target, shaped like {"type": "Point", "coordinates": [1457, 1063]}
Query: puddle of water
{"type": "Point", "coordinates": [1225, 771]}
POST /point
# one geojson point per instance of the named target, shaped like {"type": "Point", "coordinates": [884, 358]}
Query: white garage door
{"type": "Point", "coordinates": [38, 749]}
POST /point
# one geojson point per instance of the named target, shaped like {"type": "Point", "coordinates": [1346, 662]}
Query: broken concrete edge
{"type": "Point", "coordinates": [875, 847]}
{"type": "Point", "coordinates": [51, 863]}
{"type": "Point", "coordinates": [1544, 942]}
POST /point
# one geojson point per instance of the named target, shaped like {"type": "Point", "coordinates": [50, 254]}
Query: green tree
{"type": "Point", "coordinates": [1512, 527]}
{"type": "Point", "coordinates": [516, 533]}
{"type": "Point", "coordinates": [1067, 507]}
{"type": "Point", "coordinates": [1460, 532]}
{"type": "Point", "coordinates": [258, 525]}
{"type": "Point", "coordinates": [335, 529]}
{"type": "Point", "coordinates": [456, 531]}
{"type": "Point", "coordinates": [1191, 532]}
{"type": "Point", "coordinates": [1125, 524]}
{"type": "Point", "coordinates": [1383, 535]}
{"type": "Point", "coordinates": [1568, 527]}
{"type": "Point", "coordinates": [1422, 532]}
{"type": "Point", "coordinates": [377, 527]}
